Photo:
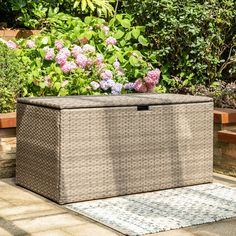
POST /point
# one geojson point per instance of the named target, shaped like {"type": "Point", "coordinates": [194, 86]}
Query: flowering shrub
{"type": "Point", "coordinates": [86, 57]}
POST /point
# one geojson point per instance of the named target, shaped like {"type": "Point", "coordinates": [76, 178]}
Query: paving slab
{"type": "Point", "coordinates": [25, 213]}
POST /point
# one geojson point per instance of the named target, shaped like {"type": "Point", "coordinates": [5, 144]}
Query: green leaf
{"type": "Point", "coordinates": [83, 5]}
{"type": "Point", "coordinates": [125, 23]}
{"type": "Point", "coordinates": [136, 33]}
{"type": "Point", "coordinates": [128, 36]}
{"type": "Point", "coordinates": [134, 61]}
{"type": "Point", "coordinates": [57, 86]}
{"type": "Point", "coordinates": [119, 34]}
{"type": "Point", "coordinates": [142, 40]}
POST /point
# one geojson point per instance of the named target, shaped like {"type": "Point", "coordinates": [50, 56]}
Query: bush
{"type": "Point", "coordinates": [193, 40]}
{"type": "Point", "coordinates": [33, 14]}
{"type": "Point", "coordinates": [10, 73]}
{"type": "Point", "coordinates": [85, 57]}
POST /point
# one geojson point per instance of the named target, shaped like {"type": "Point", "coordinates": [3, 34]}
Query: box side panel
{"type": "Point", "coordinates": [117, 151]}
{"type": "Point", "coordinates": [37, 158]}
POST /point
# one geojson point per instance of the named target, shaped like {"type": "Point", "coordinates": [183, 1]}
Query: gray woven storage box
{"type": "Point", "coordinates": [87, 147]}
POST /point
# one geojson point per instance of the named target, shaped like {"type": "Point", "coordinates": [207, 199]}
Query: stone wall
{"type": "Point", "coordinates": [7, 152]}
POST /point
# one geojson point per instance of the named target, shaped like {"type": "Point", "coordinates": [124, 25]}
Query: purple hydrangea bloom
{"type": "Point", "coordinates": [116, 88]}
{"type": "Point", "coordinates": [106, 75]}
{"type": "Point", "coordinates": [128, 86]}
{"type": "Point", "coordinates": [111, 83]}
{"type": "Point", "coordinates": [30, 44]}
{"type": "Point", "coordinates": [95, 85]}
{"type": "Point", "coordinates": [99, 60]}
{"type": "Point", "coordinates": [116, 64]}
{"type": "Point", "coordinates": [104, 85]}
{"type": "Point", "coordinates": [106, 29]}
{"type": "Point", "coordinates": [111, 41]}
{"type": "Point", "coordinates": [11, 44]}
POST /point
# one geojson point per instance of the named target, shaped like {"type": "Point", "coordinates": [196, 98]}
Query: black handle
{"type": "Point", "coordinates": [143, 108]}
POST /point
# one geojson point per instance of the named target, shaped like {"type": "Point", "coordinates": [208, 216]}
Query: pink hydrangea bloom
{"type": "Point", "coordinates": [88, 48]}
{"type": "Point", "coordinates": [49, 53]}
{"type": "Point", "coordinates": [30, 44]}
{"type": "Point", "coordinates": [68, 66]}
{"type": "Point", "coordinates": [106, 75]}
{"type": "Point", "coordinates": [120, 72]}
{"type": "Point", "coordinates": [154, 74]}
{"type": "Point", "coordinates": [11, 44]}
{"type": "Point", "coordinates": [59, 45]}
{"type": "Point", "coordinates": [76, 50]}
{"type": "Point", "coordinates": [89, 62]}
{"type": "Point", "coordinates": [99, 60]}
{"type": "Point", "coordinates": [61, 58]}
{"type": "Point", "coordinates": [111, 41]}
{"type": "Point", "coordinates": [139, 86]}
{"type": "Point", "coordinates": [81, 61]}
{"type": "Point", "coordinates": [65, 51]}
{"type": "Point", "coordinates": [64, 83]}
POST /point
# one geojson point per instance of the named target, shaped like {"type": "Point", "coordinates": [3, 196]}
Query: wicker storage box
{"type": "Point", "coordinates": [87, 147]}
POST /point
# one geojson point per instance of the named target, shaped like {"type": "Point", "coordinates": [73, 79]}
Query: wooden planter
{"type": "Point", "coordinates": [9, 34]}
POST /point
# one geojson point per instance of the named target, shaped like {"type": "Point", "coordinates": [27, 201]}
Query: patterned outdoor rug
{"type": "Point", "coordinates": [162, 210]}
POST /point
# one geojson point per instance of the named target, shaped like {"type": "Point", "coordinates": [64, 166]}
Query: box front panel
{"type": "Point", "coordinates": [38, 149]}
{"type": "Point", "coordinates": [116, 151]}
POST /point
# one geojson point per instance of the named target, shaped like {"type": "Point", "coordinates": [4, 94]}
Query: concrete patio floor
{"type": "Point", "coordinates": [25, 213]}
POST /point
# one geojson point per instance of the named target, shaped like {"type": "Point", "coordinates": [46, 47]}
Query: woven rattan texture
{"type": "Point", "coordinates": [38, 150]}
{"type": "Point", "coordinates": [107, 152]}
{"type": "Point", "coordinates": [113, 101]}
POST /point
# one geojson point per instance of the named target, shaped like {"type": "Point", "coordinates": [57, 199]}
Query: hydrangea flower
{"type": "Point", "coordinates": [47, 81]}
{"type": "Point", "coordinates": [120, 72]}
{"type": "Point", "coordinates": [88, 48]}
{"type": "Point", "coordinates": [104, 85]}
{"type": "Point", "coordinates": [61, 58]}
{"type": "Point", "coordinates": [64, 83]}
{"type": "Point", "coordinates": [30, 44]}
{"type": "Point", "coordinates": [11, 44]}
{"type": "Point", "coordinates": [111, 83]}
{"type": "Point", "coordinates": [116, 88]}
{"type": "Point", "coordinates": [44, 40]}
{"type": "Point", "coordinates": [95, 85]}
{"type": "Point", "coordinates": [65, 51]}
{"type": "Point", "coordinates": [89, 62]}
{"type": "Point", "coordinates": [139, 86]}
{"type": "Point", "coordinates": [76, 50]}
{"type": "Point", "coordinates": [81, 61]}
{"type": "Point", "coordinates": [99, 59]}
{"type": "Point", "coordinates": [154, 74]}
{"type": "Point", "coordinates": [49, 53]}
{"type": "Point", "coordinates": [59, 45]}
{"type": "Point", "coordinates": [111, 41]}
{"type": "Point", "coordinates": [128, 86]}
{"type": "Point", "coordinates": [116, 64]}
{"type": "Point", "coordinates": [106, 29]}
{"type": "Point", "coordinates": [68, 67]}
{"type": "Point", "coordinates": [106, 75]}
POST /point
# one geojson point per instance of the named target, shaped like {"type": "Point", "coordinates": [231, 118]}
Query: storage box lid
{"type": "Point", "coordinates": [71, 102]}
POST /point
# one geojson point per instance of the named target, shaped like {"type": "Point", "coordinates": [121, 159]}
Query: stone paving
{"type": "Point", "coordinates": [24, 213]}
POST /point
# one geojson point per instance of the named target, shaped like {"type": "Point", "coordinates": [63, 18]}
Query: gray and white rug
{"type": "Point", "coordinates": [164, 210]}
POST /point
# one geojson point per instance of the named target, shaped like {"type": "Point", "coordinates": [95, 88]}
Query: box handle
{"type": "Point", "coordinates": [143, 108]}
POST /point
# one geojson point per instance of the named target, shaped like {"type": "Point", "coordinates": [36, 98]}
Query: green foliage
{"type": "Point", "coordinates": [34, 13]}
{"type": "Point", "coordinates": [45, 76]}
{"type": "Point", "coordinates": [192, 40]}
{"type": "Point", "coordinates": [10, 72]}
